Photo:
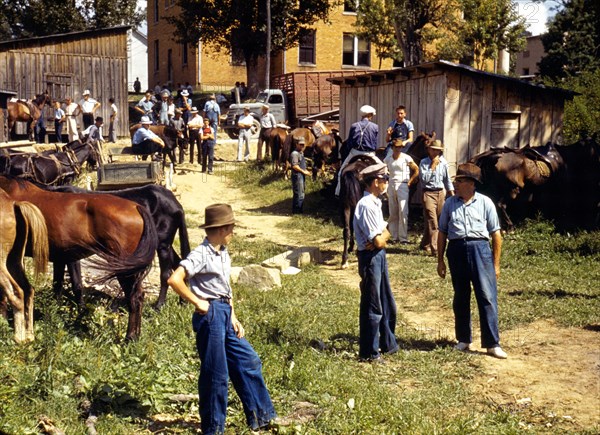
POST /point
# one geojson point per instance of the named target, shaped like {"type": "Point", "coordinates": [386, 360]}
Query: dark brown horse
{"type": "Point", "coordinates": [51, 167]}
{"type": "Point", "coordinates": [512, 177]}
{"type": "Point", "coordinates": [21, 223]}
{"type": "Point", "coordinates": [120, 232]}
{"type": "Point", "coordinates": [168, 134]}
{"type": "Point", "coordinates": [169, 218]}
{"type": "Point", "coordinates": [276, 139]}
{"type": "Point", "coordinates": [28, 111]}
{"type": "Point", "coordinates": [350, 193]}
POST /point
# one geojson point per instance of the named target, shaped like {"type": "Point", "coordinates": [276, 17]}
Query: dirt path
{"type": "Point", "coordinates": [552, 372]}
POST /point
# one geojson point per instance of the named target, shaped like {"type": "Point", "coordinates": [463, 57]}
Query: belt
{"type": "Point", "coordinates": [224, 299]}
{"type": "Point", "coordinates": [432, 190]}
{"type": "Point", "coordinates": [471, 239]}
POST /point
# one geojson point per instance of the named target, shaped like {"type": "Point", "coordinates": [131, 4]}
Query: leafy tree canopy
{"type": "Point", "coordinates": [29, 18]}
{"type": "Point", "coordinates": [228, 25]}
{"type": "Point", "coordinates": [572, 42]}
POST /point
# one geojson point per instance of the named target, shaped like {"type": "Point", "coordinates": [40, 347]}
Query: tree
{"type": "Point", "coordinates": [29, 18]}
{"type": "Point", "coordinates": [240, 25]}
{"type": "Point", "coordinates": [374, 24]}
{"type": "Point", "coordinates": [490, 26]}
{"type": "Point", "coordinates": [572, 43]}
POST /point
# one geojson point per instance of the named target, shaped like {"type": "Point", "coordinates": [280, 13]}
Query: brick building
{"type": "Point", "coordinates": [527, 61]}
{"type": "Point", "coordinates": [328, 46]}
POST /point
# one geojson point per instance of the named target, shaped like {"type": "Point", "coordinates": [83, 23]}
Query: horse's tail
{"type": "Point", "coordinates": [37, 232]}
{"type": "Point", "coordinates": [137, 264]}
{"type": "Point", "coordinates": [184, 241]}
{"type": "Point", "coordinates": [351, 190]}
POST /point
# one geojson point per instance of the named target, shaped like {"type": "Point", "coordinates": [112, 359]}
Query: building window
{"type": "Point", "coordinates": [525, 71]}
{"type": "Point", "coordinates": [156, 57]}
{"type": "Point", "coordinates": [356, 51]}
{"type": "Point", "coordinates": [307, 46]}
{"type": "Point", "coordinates": [184, 53]}
{"type": "Point", "coordinates": [350, 6]}
{"type": "Point", "coordinates": [156, 15]}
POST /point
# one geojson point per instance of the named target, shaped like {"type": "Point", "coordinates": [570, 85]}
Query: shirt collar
{"type": "Point", "coordinates": [212, 248]}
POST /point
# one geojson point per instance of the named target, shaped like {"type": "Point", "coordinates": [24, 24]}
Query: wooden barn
{"type": "Point", "coordinates": [470, 110]}
{"type": "Point", "coordinates": [66, 65]}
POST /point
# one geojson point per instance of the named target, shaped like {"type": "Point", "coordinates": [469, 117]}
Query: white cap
{"type": "Point", "coordinates": [367, 110]}
{"type": "Point", "coordinates": [145, 120]}
{"type": "Point", "coordinates": [86, 92]}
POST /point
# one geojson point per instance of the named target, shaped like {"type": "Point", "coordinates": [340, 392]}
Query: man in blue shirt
{"type": "Point", "coordinates": [434, 178]}
{"type": "Point", "coordinates": [400, 128]}
{"type": "Point", "coordinates": [145, 141]}
{"type": "Point", "coordinates": [362, 139]}
{"type": "Point", "coordinates": [377, 318]}
{"type": "Point", "coordinates": [467, 221]}
{"type": "Point", "coordinates": [223, 350]}
{"type": "Point", "coordinates": [212, 111]}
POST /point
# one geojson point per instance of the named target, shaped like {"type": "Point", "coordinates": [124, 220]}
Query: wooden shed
{"type": "Point", "coordinates": [66, 65]}
{"type": "Point", "coordinates": [470, 110]}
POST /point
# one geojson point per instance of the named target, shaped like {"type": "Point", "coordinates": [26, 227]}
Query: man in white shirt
{"type": "Point", "coordinates": [72, 110]}
{"type": "Point", "coordinates": [88, 106]}
{"type": "Point", "coordinates": [267, 122]}
{"type": "Point", "coordinates": [244, 123]}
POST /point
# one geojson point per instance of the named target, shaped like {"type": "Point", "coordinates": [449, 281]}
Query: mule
{"type": "Point", "coordinates": [351, 192]}
{"type": "Point", "coordinates": [28, 111]}
{"type": "Point", "coordinates": [21, 223]}
{"type": "Point", "coordinates": [169, 218]}
{"type": "Point", "coordinates": [51, 167]}
{"type": "Point", "coordinates": [119, 232]}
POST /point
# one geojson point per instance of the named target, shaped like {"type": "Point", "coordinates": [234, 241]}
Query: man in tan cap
{"type": "Point", "coordinates": [467, 221]}
{"type": "Point", "coordinates": [377, 318]}
{"type": "Point", "coordinates": [220, 341]}
{"type": "Point", "coordinates": [434, 177]}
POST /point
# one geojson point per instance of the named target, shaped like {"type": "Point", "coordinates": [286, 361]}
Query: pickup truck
{"type": "Point", "coordinates": [293, 97]}
{"type": "Point", "coordinates": [275, 98]}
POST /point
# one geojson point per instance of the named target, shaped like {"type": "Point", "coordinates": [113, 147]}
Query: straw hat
{"type": "Point", "coordinates": [194, 110]}
{"type": "Point", "coordinates": [86, 92]}
{"type": "Point", "coordinates": [184, 93]}
{"type": "Point", "coordinates": [218, 215]}
{"type": "Point", "coordinates": [146, 120]}
{"type": "Point", "coordinates": [437, 145]}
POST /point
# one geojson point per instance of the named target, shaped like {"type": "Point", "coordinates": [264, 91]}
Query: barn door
{"type": "Point", "coordinates": [506, 129]}
{"type": "Point", "coordinates": [59, 86]}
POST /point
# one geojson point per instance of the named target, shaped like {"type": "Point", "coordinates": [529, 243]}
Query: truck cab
{"type": "Point", "coordinates": [277, 102]}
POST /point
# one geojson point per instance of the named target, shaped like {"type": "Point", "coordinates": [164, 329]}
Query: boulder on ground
{"type": "Point", "coordinates": [259, 277]}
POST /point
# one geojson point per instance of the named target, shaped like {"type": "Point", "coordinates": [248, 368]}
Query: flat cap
{"type": "Point", "coordinates": [367, 110]}
{"type": "Point", "coordinates": [374, 170]}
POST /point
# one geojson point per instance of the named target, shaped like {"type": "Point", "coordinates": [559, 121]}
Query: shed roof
{"type": "Point", "coordinates": [42, 40]}
{"type": "Point", "coordinates": [424, 68]}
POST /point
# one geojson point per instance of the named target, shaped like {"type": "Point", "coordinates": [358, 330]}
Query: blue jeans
{"type": "Point", "coordinates": [377, 316]}
{"type": "Point", "coordinates": [223, 355]}
{"type": "Point", "coordinates": [298, 191]}
{"type": "Point", "coordinates": [208, 154]}
{"type": "Point", "coordinates": [472, 262]}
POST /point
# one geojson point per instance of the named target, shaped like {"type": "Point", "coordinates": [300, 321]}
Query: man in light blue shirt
{"type": "Point", "coordinates": [377, 318]}
{"type": "Point", "coordinates": [145, 141]}
{"type": "Point", "coordinates": [434, 178]}
{"type": "Point", "coordinates": [212, 111]}
{"type": "Point", "coordinates": [467, 221]}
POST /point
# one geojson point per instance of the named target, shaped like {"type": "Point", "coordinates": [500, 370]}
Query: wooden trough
{"type": "Point", "coordinates": [114, 176]}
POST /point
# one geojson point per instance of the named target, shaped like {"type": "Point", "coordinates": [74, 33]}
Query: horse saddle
{"type": "Point", "coordinates": [546, 154]}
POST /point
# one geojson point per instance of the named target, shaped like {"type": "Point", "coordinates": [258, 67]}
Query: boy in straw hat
{"type": "Point", "coordinates": [434, 176]}
{"type": "Point", "coordinates": [467, 221]}
{"type": "Point", "coordinates": [377, 318]}
{"type": "Point", "coordinates": [223, 350]}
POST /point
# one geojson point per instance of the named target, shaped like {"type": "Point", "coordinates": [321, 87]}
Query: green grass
{"type": "Point", "coordinates": [306, 333]}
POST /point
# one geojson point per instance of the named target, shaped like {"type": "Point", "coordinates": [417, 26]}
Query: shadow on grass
{"type": "Point", "coordinates": [349, 343]}
{"type": "Point", "coordinates": [106, 399]}
{"type": "Point", "coordinates": [552, 294]}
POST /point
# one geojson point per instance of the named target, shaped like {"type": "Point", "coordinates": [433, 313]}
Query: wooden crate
{"type": "Point", "coordinates": [114, 176]}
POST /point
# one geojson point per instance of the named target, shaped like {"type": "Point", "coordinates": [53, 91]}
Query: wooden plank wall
{"type": "Point", "coordinates": [97, 63]}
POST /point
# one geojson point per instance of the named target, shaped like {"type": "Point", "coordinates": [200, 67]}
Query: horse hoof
{"type": "Point", "coordinates": [345, 265]}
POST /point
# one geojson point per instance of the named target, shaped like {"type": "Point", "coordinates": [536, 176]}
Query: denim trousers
{"type": "Point", "coordinates": [472, 262]}
{"type": "Point", "coordinates": [377, 318]}
{"type": "Point", "coordinates": [223, 355]}
{"type": "Point", "coordinates": [208, 154]}
{"type": "Point", "coordinates": [298, 191]}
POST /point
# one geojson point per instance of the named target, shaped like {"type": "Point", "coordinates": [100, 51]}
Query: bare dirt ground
{"type": "Point", "coordinates": [552, 372]}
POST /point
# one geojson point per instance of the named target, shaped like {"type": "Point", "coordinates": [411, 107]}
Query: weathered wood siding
{"type": "Point", "coordinates": [68, 64]}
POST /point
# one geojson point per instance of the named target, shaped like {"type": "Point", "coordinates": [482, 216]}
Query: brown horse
{"type": "Point", "coordinates": [20, 223]}
{"type": "Point", "coordinates": [310, 135]}
{"type": "Point", "coordinates": [120, 232]}
{"type": "Point", "coordinates": [513, 177]}
{"type": "Point", "coordinates": [28, 111]}
{"type": "Point", "coordinates": [276, 139]}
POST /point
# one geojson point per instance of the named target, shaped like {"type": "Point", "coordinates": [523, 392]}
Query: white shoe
{"type": "Point", "coordinates": [462, 346]}
{"type": "Point", "coordinates": [497, 352]}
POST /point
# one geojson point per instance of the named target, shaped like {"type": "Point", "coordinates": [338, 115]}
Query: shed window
{"type": "Point", "coordinates": [307, 46]}
{"type": "Point", "coordinates": [356, 51]}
